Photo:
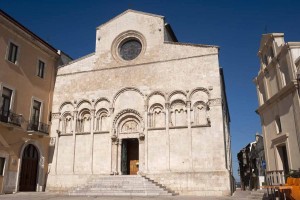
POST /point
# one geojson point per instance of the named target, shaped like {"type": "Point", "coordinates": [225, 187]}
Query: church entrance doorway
{"type": "Point", "coordinates": [130, 156]}
{"type": "Point", "coordinates": [29, 169]}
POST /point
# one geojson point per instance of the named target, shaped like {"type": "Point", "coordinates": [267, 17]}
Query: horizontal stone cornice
{"type": "Point", "coordinates": [292, 86]}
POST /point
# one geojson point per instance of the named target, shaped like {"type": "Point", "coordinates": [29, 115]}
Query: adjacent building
{"type": "Point", "coordinates": [277, 85]}
{"type": "Point", "coordinates": [28, 67]}
{"type": "Point", "coordinates": [142, 103]}
{"type": "Point", "coordinates": [252, 164]}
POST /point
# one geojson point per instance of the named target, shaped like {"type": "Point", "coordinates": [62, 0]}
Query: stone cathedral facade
{"type": "Point", "coordinates": [144, 104]}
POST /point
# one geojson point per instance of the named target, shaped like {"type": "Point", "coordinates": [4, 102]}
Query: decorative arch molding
{"type": "Point", "coordinates": [122, 115]}
{"type": "Point", "coordinates": [177, 101]}
{"type": "Point", "coordinates": [83, 101]}
{"type": "Point", "coordinates": [124, 90]}
{"type": "Point", "coordinates": [64, 104]}
{"type": "Point", "coordinates": [155, 93]}
{"type": "Point", "coordinates": [176, 92]}
{"type": "Point", "coordinates": [102, 99]}
{"type": "Point", "coordinates": [196, 90]}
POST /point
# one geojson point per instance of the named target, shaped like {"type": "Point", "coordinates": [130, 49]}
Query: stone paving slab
{"type": "Point", "coordinates": [241, 195]}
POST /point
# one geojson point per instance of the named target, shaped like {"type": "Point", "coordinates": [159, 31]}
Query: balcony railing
{"type": "Point", "coordinates": [276, 177]}
{"type": "Point", "coordinates": [38, 127]}
{"type": "Point", "coordinates": [10, 117]}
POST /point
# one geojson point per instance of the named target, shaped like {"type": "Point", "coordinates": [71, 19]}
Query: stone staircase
{"type": "Point", "coordinates": [121, 185]}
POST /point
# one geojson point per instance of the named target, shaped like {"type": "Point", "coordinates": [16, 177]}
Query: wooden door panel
{"type": "Point", "coordinates": [134, 167]}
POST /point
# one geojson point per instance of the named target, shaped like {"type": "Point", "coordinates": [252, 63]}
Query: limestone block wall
{"type": "Point", "coordinates": [169, 98]}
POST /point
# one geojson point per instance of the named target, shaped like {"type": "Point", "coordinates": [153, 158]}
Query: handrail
{"type": "Point", "coordinates": [10, 117]}
{"type": "Point", "coordinates": [38, 126]}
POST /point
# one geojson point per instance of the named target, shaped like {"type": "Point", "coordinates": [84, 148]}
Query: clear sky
{"type": "Point", "coordinates": [235, 26]}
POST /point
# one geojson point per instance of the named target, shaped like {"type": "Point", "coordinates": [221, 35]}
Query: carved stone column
{"type": "Point", "coordinates": [75, 116]}
{"type": "Point", "coordinates": [55, 140]}
{"type": "Point", "coordinates": [114, 156]}
{"type": "Point", "coordinates": [92, 139]}
{"type": "Point", "coordinates": [119, 156]}
{"type": "Point", "coordinates": [188, 107]}
{"type": "Point", "coordinates": [143, 150]}
{"type": "Point", "coordinates": [167, 107]}
{"type": "Point", "coordinates": [141, 153]}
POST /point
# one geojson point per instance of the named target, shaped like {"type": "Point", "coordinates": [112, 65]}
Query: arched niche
{"type": "Point", "coordinates": [84, 104]}
{"type": "Point", "coordinates": [178, 113]}
{"type": "Point", "coordinates": [102, 120]}
{"type": "Point", "coordinates": [156, 116]}
{"type": "Point", "coordinates": [177, 95]}
{"type": "Point", "coordinates": [66, 107]}
{"type": "Point", "coordinates": [199, 94]}
{"type": "Point", "coordinates": [128, 98]}
{"type": "Point", "coordinates": [199, 114]}
{"type": "Point", "coordinates": [66, 123]}
{"type": "Point", "coordinates": [84, 121]}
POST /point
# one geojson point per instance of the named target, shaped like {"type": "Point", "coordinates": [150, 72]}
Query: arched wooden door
{"type": "Point", "coordinates": [29, 169]}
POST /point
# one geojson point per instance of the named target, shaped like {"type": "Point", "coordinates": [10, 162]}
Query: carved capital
{"type": "Point", "coordinates": [167, 105]}
{"type": "Point", "coordinates": [111, 110]}
{"type": "Point", "coordinates": [114, 139]}
{"type": "Point", "coordinates": [141, 136]}
{"type": "Point", "coordinates": [188, 104]}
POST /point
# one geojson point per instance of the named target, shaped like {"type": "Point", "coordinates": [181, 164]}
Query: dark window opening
{"type": "Point", "coordinates": [41, 69]}
{"type": "Point", "coordinates": [13, 52]}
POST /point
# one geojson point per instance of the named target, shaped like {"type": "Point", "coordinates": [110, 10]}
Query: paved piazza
{"type": "Point", "coordinates": [243, 195]}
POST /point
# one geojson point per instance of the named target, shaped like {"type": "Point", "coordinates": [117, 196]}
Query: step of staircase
{"type": "Point", "coordinates": [121, 185]}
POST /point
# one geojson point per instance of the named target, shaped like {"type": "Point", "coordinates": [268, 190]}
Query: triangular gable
{"type": "Point", "coordinates": [127, 11]}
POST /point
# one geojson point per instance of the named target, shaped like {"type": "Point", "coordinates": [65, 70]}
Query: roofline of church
{"type": "Point", "coordinates": [26, 30]}
{"type": "Point", "coordinates": [191, 44]}
{"type": "Point", "coordinates": [130, 10]}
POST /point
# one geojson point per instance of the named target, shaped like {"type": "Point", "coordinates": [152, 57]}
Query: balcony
{"type": "Point", "coordinates": [10, 118]}
{"type": "Point", "coordinates": [38, 127]}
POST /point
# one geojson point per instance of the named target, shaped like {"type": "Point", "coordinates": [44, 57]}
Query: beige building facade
{"type": "Point", "coordinates": [144, 104]}
{"type": "Point", "coordinates": [279, 104]}
{"type": "Point", "coordinates": [27, 76]}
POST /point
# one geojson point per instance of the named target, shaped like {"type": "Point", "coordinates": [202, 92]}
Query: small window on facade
{"type": "Point", "coordinates": [271, 52]}
{"type": "Point", "coordinates": [278, 124]}
{"type": "Point", "coordinates": [35, 114]}
{"type": "Point", "coordinates": [2, 162]}
{"type": "Point", "coordinates": [265, 60]}
{"type": "Point", "coordinates": [41, 69]}
{"type": "Point", "coordinates": [6, 104]}
{"type": "Point", "coordinates": [12, 53]}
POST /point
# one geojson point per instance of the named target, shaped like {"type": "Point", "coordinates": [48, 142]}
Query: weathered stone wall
{"type": "Point", "coordinates": [169, 98]}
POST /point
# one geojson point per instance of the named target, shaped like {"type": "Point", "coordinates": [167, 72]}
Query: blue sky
{"type": "Point", "coordinates": [235, 26]}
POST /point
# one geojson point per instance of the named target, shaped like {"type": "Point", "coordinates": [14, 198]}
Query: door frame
{"type": "Point", "coordinates": [128, 164]}
{"type": "Point", "coordinates": [40, 169]}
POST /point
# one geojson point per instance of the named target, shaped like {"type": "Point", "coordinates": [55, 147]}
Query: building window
{"type": "Point", "coordinates": [130, 49]}
{"type": "Point", "coordinates": [6, 103]}
{"type": "Point", "coordinates": [2, 162]}
{"type": "Point", "coordinates": [35, 115]}
{"type": "Point", "coordinates": [12, 53]}
{"type": "Point", "coordinates": [271, 53]}
{"type": "Point", "coordinates": [278, 124]}
{"type": "Point", "coordinates": [41, 69]}
{"type": "Point", "coordinates": [265, 60]}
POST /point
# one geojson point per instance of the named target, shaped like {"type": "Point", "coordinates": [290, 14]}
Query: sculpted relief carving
{"type": "Point", "coordinates": [129, 127]}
